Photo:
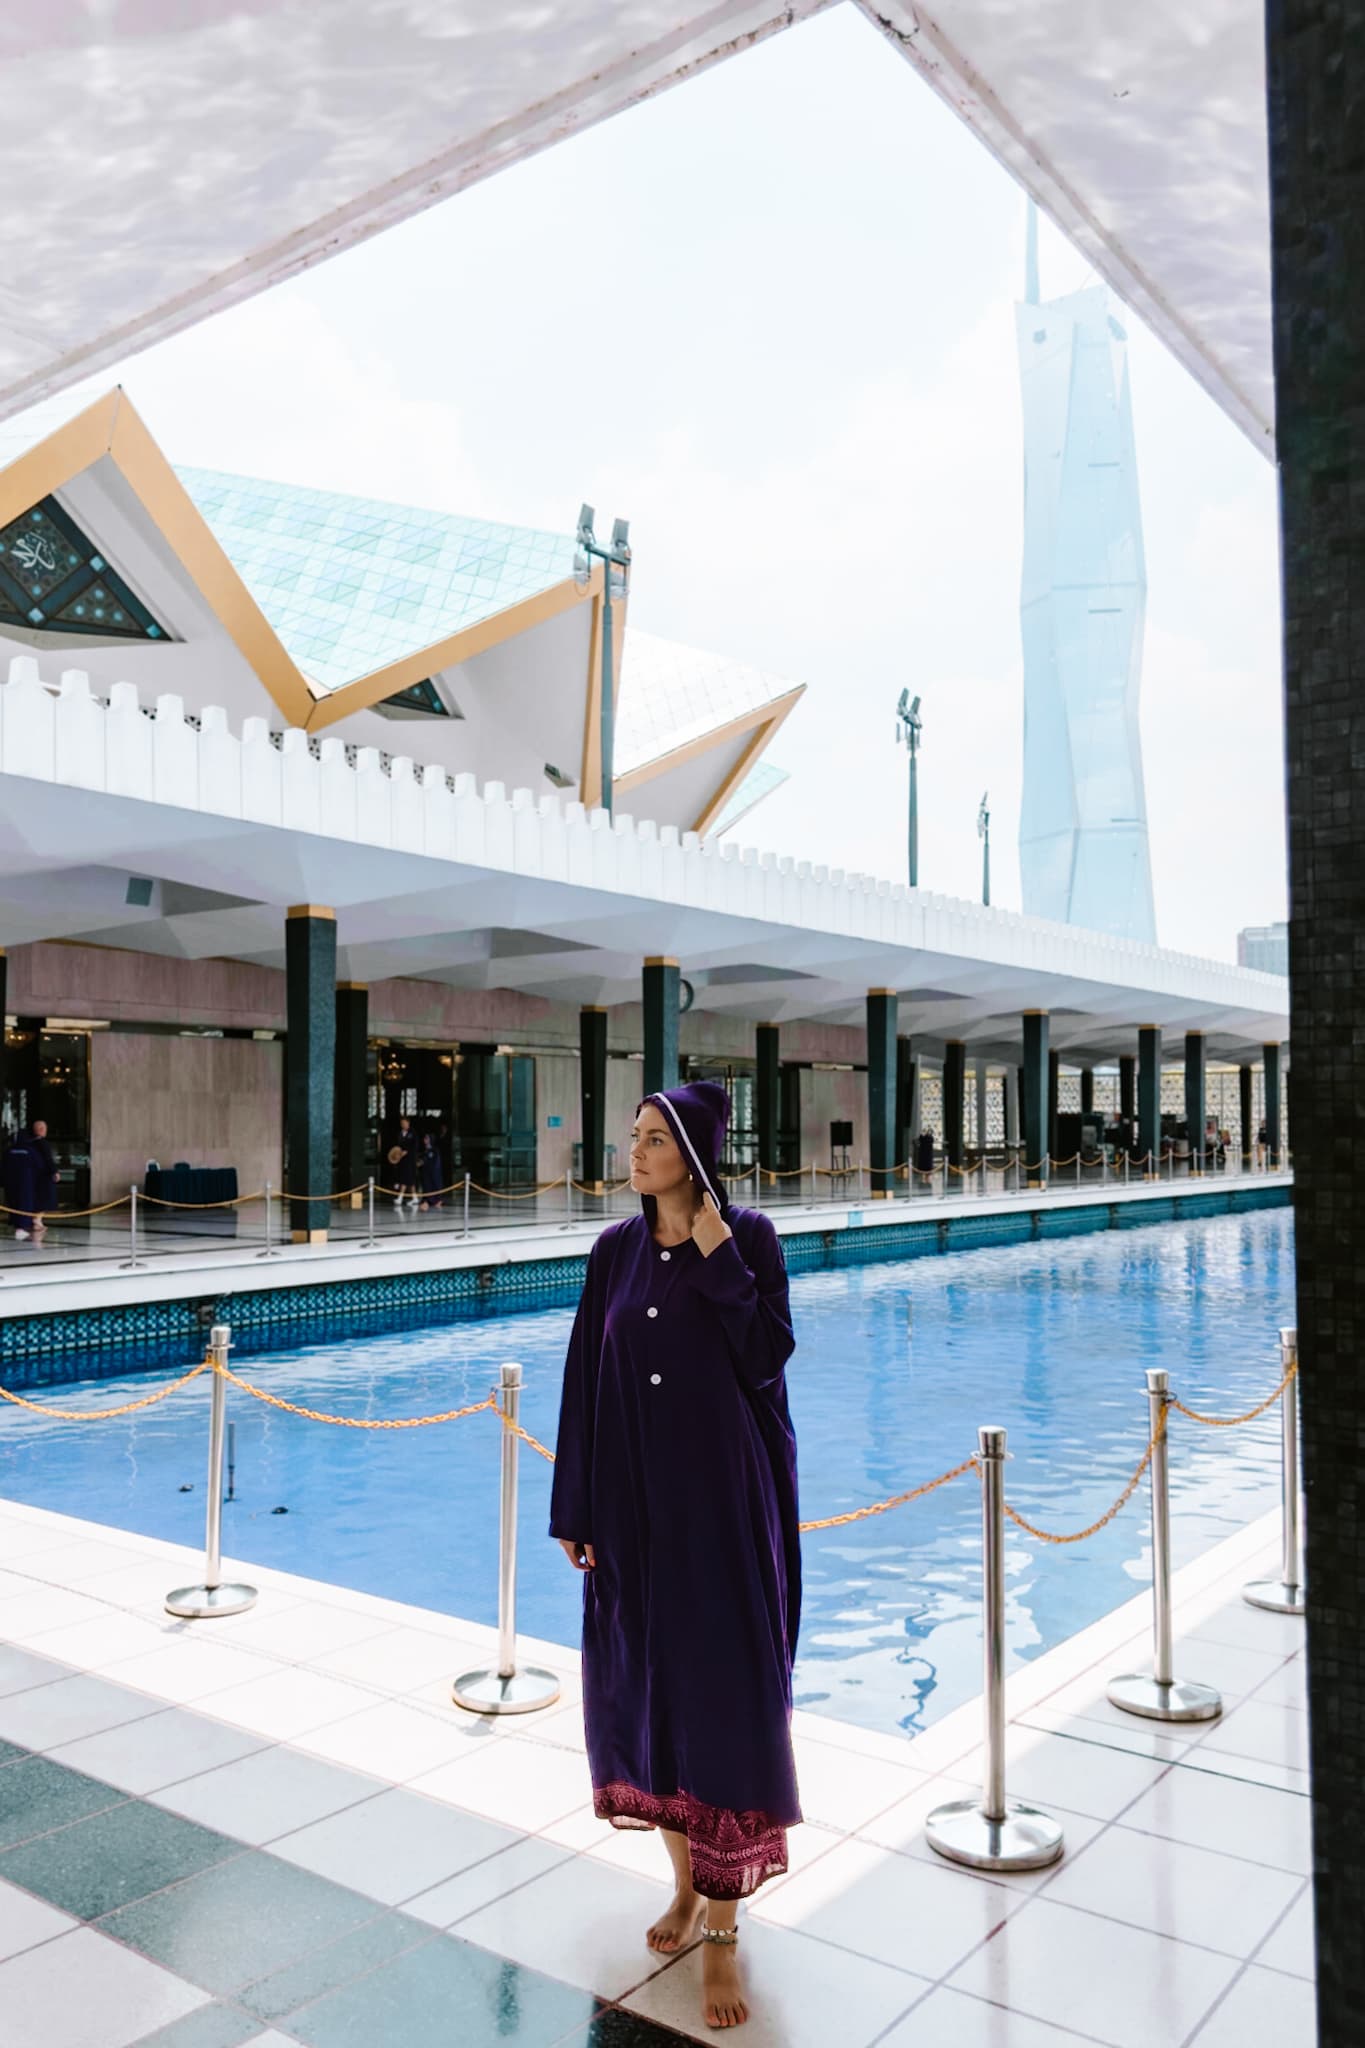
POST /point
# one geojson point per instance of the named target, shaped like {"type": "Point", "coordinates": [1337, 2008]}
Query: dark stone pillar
{"type": "Point", "coordinates": [1245, 1099]}
{"type": "Point", "coordinates": [1149, 1098]}
{"type": "Point", "coordinates": [905, 1102]}
{"type": "Point", "coordinates": [768, 1093]}
{"type": "Point", "coordinates": [351, 1106]}
{"type": "Point", "coordinates": [4, 1004]}
{"type": "Point", "coordinates": [1054, 1091]}
{"type": "Point", "coordinates": [1128, 1087]}
{"type": "Point", "coordinates": [310, 973]}
{"type": "Point", "coordinates": [1033, 1079]}
{"type": "Point", "coordinates": [592, 1090]}
{"type": "Point", "coordinates": [1196, 1089]}
{"type": "Point", "coordinates": [954, 1082]}
{"type": "Point", "coordinates": [1087, 1091]}
{"type": "Point", "coordinates": [1316, 78]}
{"type": "Point", "coordinates": [1271, 1055]}
{"type": "Point", "coordinates": [661, 998]}
{"type": "Point", "coordinates": [882, 1007]}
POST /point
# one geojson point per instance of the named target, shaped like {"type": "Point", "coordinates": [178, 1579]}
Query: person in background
{"type": "Point", "coordinates": [430, 1171]}
{"type": "Point", "coordinates": [402, 1158]}
{"type": "Point", "coordinates": [1262, 1139]}
{"type": "Point", "coordinates": [31, 1181]}
{"type": "Point", "coordinates": [924, 1157]}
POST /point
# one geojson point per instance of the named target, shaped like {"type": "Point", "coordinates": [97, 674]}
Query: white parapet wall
{"type": "Point", "coordinates": [63, 733]}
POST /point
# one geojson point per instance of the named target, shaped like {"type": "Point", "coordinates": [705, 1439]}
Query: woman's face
{"type": "Point", "coordinates": [656, 1162]}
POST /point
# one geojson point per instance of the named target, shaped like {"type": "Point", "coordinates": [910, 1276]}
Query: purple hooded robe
{"type": "Point", "coordinates": [677, 1461]}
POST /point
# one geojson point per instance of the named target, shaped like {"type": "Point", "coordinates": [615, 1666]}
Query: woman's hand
{"type": "Point", "coordinates": [709, 1227]}
{"type": "Point", "coordinates": [581, 1556]}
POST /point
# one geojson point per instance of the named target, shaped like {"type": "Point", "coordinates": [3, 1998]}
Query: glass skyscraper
{"type": "Point", "coordinates": [1083, 821]}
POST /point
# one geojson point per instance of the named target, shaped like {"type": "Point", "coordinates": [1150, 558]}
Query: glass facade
{"type": "Point", "coordinates": [1083, 846]}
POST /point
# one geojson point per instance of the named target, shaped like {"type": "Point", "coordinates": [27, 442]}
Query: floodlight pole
{"type": "Point", "coordinates": [617, 556]}
{"type": "Point", "coordinates": [908, 715]}
{"type": "Point", "coordinates": [983, 826]}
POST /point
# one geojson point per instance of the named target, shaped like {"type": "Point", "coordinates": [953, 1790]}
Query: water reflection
{"type": "Point", "coordinates": [897, 1366]}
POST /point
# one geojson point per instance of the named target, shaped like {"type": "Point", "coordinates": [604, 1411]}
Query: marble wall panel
{"type": "Point", "coordinates": [210, 1101]}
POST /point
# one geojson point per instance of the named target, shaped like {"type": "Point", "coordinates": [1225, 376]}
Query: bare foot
{"type": "Point", "coordinates": [675, 1928]}
{"type": "Point", "coordinates": [722, 2000]}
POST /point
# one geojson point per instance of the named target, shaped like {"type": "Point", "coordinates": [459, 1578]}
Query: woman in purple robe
{"type": "Point", "coordinates": [675, 1495]}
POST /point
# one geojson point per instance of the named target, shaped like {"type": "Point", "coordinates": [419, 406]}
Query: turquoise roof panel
{"type": "Point", "coordinates": [761, 780]}
{"type": "Point", "coordinates": [351, 584]}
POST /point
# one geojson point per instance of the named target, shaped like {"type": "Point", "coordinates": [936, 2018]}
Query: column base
{"type": "Point", "coordinates": [308, 1236]}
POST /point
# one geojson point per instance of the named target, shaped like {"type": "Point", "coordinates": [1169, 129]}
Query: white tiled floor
{"type": "Point", "coordinates": [321, 1723]}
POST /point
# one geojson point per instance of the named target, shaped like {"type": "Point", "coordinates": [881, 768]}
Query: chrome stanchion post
{"type": "Point", "coordinates": [369, 1213]}
{"type": "Point", "coordinates": [466, 1205]}
{"type": "Point", "coordinates": [269, 1252]}
{"type": "Point", "coordinates": [1285, 1595]}
{"type": "Point", "coordinates": [567, 1224]}
{"type": "Point", "coordinates": [505, 1689]}
{"type": "Point", "coordinates": [132, 1262]}
{"type": "Point", "coordinates": [203, 1602]}
{"type": "Point", "coordinates": [1163, 1696]}
{"type": "Point", "coordinates": [993, 1833]}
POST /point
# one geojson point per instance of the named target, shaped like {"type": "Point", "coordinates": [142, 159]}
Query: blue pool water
{"type": "Point", "coordinates": [896, 1367]}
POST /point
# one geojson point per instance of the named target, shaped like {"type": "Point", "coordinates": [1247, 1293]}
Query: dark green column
{"type": "Point", "coordinates": [592, 1085]}
{"type": "Point", "coordinates": [1245, 1103]}
{"type": "Point", "coordinates": [1128, 1087]}
{"type": "Point", "coordinates": [905, 1102]}
{"type": "Point", "coordinates": [352, 1100]}
{"type": "Point", "coordinates": [1149, 1098]}
{"type": "Point", "coordinates": [954, 1082]}
{"type": "Point", "coordinates": [661, 998]}
{"type": "Point", "coordinates": [1196, 1091]}
{"type": "Point", "coordinates": [1271, 1056]}
{"type": "Point", "coordinates": [4, 1004]}
{"type": "Point", "coordinates": [1087, 1091]}
{"type": "Point", "coordinates": [768, 1093]}
{"type": "Point", "coordinates": [882, 1008]}
{"type": "Point", "coordinates": [310, 974]}
{"type": "Point", "coordinates": [1054, 1093]}
{"type": "Point", "coordinates": [1033, 1077]}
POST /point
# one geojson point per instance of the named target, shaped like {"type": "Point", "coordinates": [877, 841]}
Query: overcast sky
{"type": "Point", "coordinates": [769, 318]}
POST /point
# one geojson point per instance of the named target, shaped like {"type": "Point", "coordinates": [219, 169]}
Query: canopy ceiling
{"type": "Point", "coordinates": [175, 159]}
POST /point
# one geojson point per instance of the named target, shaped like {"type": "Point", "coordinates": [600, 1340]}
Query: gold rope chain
{"type": "Point", "coordinates": [1234, 1421]}
{"type": "Point", "coordinates": [353, 1421]}
{"type": "Point", "coordinates": [106, 1414]}
{"type": "Point", "coordinates": [491, 1402]}
{"type": "Point", "coordinates": [1048, 1536]}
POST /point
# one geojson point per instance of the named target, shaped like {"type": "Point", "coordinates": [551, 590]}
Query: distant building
{"type": "Point", "coordinates": [1083, 847]}
{"type": "Point", "coordinates": [1265, 946]}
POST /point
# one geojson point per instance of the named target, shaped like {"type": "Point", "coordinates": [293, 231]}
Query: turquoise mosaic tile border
{"type": "Point", "coordinates": [105, 1342]}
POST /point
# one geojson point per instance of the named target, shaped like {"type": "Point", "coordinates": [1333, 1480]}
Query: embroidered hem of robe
{"type": "Point", "coordinates": [731, 1853]}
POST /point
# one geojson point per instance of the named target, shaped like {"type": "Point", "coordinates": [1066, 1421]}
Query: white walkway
{"type": "Point", "coordinates": [1180, 1913]}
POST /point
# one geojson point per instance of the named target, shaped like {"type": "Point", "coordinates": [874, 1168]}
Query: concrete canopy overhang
{"type": "Point", "coordinates": [225, 147]}
{"type": "Point", "coordinates": [424, 878]}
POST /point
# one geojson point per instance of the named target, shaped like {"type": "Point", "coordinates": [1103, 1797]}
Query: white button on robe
{"type": "Point", "coordinates": [651, 1312]}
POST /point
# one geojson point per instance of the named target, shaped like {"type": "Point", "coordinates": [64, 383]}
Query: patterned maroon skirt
{"type": "Point", "coordinates": [732, 1853]}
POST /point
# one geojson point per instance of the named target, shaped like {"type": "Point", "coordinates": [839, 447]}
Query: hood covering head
{"type": "Point", "coordinates": [697, 1114]}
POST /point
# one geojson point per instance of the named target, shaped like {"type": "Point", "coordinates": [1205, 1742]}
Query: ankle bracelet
{"type": "Point", "coordinates": [724, 1937]}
